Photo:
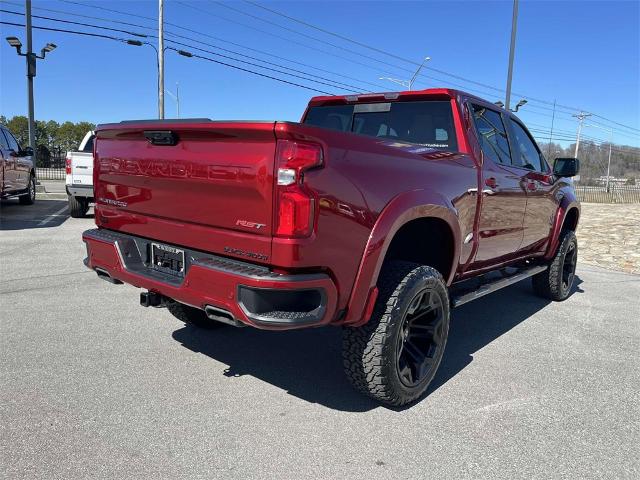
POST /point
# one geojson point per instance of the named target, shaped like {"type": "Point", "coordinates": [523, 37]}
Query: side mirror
{"type": "Point", "coordinates": [566, 167]}
{"type": "Point", "coordinates": [27, 152]}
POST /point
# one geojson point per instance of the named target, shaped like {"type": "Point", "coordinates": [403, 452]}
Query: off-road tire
{"type": "Point", "coordinates": [192, 315]}
{"type": "Point", "coordinates": [29, 198]}
{"type": "Point", "coordinates": [370, 351]}
{"type": "Point", "coordinates": [549, 284]}
{"type": "Point", "coordinates": [78, 207]}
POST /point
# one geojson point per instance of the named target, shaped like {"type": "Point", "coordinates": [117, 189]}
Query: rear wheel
{"type": "Point", "coordinates": [29, 198]}
{"type": "Point", "coordinates": [555, 282]}
{"type": "Point", "coordinates": [78, 207]}
{"type": "Point", "coordinates": [195, 316]}
{"type": "Point", "coordinates": [394, 357]}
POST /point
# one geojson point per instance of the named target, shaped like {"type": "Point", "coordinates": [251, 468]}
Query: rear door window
{"type": "Point", "coordinates": [427, 123]}
{"type": "Point", "coordinates": [492, 134]}
{"type": "Point", "coordinates": [526, 152]}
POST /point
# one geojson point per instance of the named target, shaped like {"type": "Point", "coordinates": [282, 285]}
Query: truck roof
{"type": "Point", "coordinates": [382, 96]}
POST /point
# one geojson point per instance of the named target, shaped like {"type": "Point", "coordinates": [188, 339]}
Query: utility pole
{"type": "Point", "coordinates": [553, 117]}
{"type": "Point", "coordinates": [581, 116]}
{"type": "Point", "coordinates": [160, 59]}
{"type": "Point", "coordinates": [610, 130]}
{"type": "Point", "coordinates": [512, 49]}
{"type": "Point", "coordinates": [31, 72]}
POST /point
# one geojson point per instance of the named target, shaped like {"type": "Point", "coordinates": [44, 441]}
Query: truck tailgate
{"type": "Point", "coordinates": [81, 168]}
{"type": "Point", "coordinates": [210, 188]}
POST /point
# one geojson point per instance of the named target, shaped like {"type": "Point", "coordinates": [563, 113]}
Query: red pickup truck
{"type": "Point", "coordinates": [378, 213]}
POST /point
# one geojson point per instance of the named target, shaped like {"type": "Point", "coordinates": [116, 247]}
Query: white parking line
{"type": "Point", "coordinates": [52, 216]}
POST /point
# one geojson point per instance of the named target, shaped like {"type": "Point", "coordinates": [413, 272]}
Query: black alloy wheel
{"type": "Point", "coordinates": [421, 339]}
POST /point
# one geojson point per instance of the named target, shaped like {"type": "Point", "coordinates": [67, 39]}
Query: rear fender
{"type": "Point", "coordinates": [567, 202]}
{"type": "Point", "coordinates": [402, 209]}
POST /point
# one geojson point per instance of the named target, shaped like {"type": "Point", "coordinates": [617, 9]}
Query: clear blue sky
{"type": "Point", "coordinates": [585, 54]}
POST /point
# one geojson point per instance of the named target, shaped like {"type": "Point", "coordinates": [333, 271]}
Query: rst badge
{"type": "Point", "coordinates": [247, 224]}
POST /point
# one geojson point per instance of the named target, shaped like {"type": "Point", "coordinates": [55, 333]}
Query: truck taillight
{"type": "Point", "coordinates": [67, 165]}
{"type": "Point", "coordinates": [295, 202]}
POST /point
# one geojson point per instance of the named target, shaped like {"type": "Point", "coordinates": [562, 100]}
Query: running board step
{"type": "Point", "coordinates": [486, 288]}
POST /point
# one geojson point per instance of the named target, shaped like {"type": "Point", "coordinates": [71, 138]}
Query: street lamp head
{"type": "Point", "coordinates": [499, 103]}
{"type": "Point", "coordinates": [15, 42]}
{"type": "Point", "coordinates": [519, 104]}
{"type": "Point", "coordinates": [426, 59]}
{"type": "Point", "coordinates": [136, 43]}
{"type": "Point", "coordinates": [49, 47]}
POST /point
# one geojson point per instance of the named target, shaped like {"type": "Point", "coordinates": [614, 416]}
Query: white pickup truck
{"type": "Point", "coordinates": [79, 177]}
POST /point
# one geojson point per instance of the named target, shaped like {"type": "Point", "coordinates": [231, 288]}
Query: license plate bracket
{"type": "Point", "coordinates": [167, 259]}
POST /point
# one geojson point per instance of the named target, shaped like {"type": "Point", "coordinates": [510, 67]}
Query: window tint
{"type": "Point", "coordinates": [526, 153]}
{"type": "Point", "coordinates": [334, 117]}
{"type": "Point", "coordinates": [3, 140]}
{"type": "Point", "coordinates": [427, 123]}
{"type": "Point", "coordinates": [493, 136]}
{"type": "Point", "coordinates": [89, 146]}
{"type": "Point", "coordinates": [13, 144]}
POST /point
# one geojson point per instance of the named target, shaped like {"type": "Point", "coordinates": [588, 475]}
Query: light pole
{"type": "Point", "coordinates": [512, 50]}
{"type": "Point", "coordinates": [610, 130]}
{"type": "Point", "coordinates": [408, 83]}
{"type": "Point", "coordinates": [31, 72]}
{"type": "Point", "coordinates": [176, 97]}
{"type": "Point", "coordinates": [160, 59]}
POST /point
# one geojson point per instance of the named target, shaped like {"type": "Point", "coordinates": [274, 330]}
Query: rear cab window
{"type": "Point", "coordinates": [492, 134]}
{"type": "Point", "coordinates": [427, 123]}
{"type": "Point", "coordinates": [88, 147]}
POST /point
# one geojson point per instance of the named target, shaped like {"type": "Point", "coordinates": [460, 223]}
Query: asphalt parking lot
{"type": "Point", "coordinates": [93, 385]}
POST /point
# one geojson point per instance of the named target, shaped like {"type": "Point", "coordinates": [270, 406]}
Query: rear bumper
{"type": "Point", "coordinates": [80, 190]}
{"type": "Point", "coordinates": [250, 293]}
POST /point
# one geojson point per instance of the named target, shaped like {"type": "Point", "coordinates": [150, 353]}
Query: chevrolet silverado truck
{"type": "Point", "coordinates": [378, 213]}
{"type": "Point", "coordinates": [79, 177]}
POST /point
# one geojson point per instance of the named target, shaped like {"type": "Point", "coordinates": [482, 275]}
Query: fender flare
{"type": "Point", "coordinates": [399, 211]}
{"type": "Point", "coordinates": [568, 202]}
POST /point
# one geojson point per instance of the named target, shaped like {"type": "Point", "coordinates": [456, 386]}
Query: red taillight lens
{"type": "Point", "coordinates": [295, 202]}
{"type": "Point", "coordinates": [67, 165]}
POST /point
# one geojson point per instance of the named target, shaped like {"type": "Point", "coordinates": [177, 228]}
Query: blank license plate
{"type": "Point", "coordinates": [167, 259]}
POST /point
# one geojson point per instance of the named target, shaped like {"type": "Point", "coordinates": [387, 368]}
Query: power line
{"type": "Point", "coordinates": [87, 34]}
{"type": "Point", "coordinates": [342, 37]}
{"type": "Point", "coordinates": [203, 34]}
{"type": "Point", "coordinates": [77, 23]}
{"type": "Point", "coordinates": [97, 35]}
{"type": "Point", "coordinates": [83, 16]}
{"type": "Point", "coordinates": [559, 106]}
{"type": "Point", "coordinates": [194, 55]}
{"type": "Point", "coordinates": [331, 84]}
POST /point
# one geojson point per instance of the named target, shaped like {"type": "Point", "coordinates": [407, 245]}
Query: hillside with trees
{"type": "Point", "coordinates": [625, 160]}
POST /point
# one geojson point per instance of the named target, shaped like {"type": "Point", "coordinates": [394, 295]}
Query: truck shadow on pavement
{"type": "Point", "coordinates": [308, 364]}
{"type": "Point", "coordinates": [42, 214]}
